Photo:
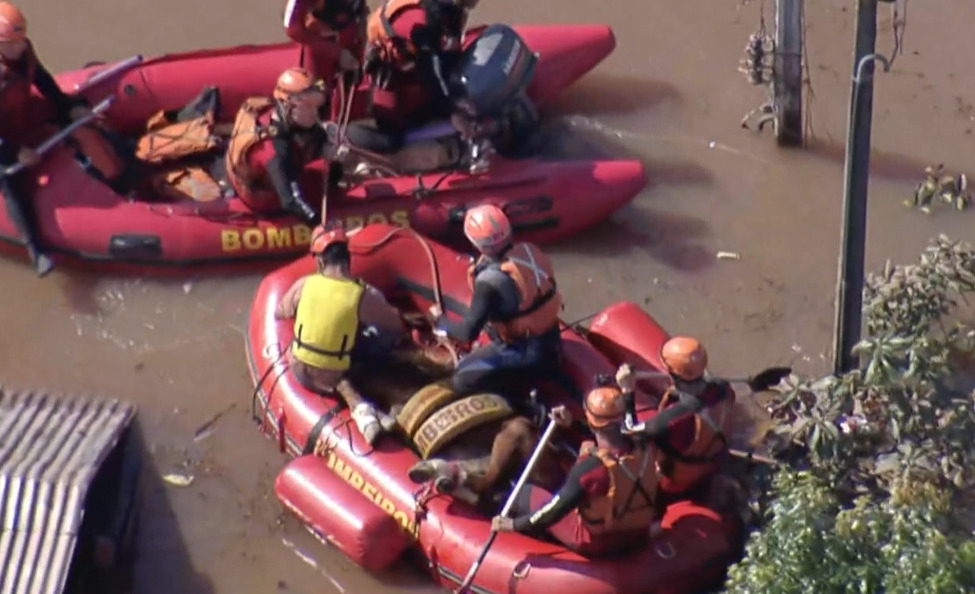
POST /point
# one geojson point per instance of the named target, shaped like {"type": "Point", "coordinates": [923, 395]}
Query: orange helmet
{"type": "Point", "coordinates": [299, 86]}
{"type": "Point", "coordinates": [604, 406]}
{"type": "Point", "coordinates": [685, 357]}
{"type": "Point", "coordinates": [322, 237]}
{"type": "Point", "coordinates": [13, 25]}
{"type": "Point", "coordinates": [487, 227]}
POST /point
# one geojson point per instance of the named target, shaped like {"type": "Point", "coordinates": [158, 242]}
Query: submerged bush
{"type": "Point", "coordinates": [877, 493]}
{"type": "Point", "coordinates": [905, 544]}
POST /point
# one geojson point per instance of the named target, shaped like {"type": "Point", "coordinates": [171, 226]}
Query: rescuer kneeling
{"type": "Point", "coordinates": [273, 140]}
{"type": "Point", "coordinates": [514, 291]}
{"type": "Point", "coordinates": [340, 322]}
{"type": "Point", "coordinates": [412, 47]}
{"type": "Point", "coordinates": [608, 504]}
{"type": "Point", "coordinates": [693, 417]}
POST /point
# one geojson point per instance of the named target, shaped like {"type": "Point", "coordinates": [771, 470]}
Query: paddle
{"type": "Point", "coordinates": [59, 137]}
{"type": "Point", "coordinates": [763, 380]}
{"type": "Point", "coordinates": [542, 443]}
{"type": "Point", "coordinates": [107, 73]}
{"type": "Point", "coordinates": [759, 382]}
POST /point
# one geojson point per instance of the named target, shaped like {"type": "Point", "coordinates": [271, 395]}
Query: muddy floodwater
{"type": "Point", "coordinates": [671, 95]}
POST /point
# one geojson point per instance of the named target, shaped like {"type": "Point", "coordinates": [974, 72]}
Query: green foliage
{"type": "Point", "coordinates": [881, 459]}
{"type": "Point", "coordinates": [813, 544]}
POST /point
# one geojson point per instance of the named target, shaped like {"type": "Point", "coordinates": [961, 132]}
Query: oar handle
{"type": "Point", "coordinates": [59, 137]}
{"type": "Point", "coordinates": [107, 73]}
{"type": "Point", "coordinates": [510, 503]}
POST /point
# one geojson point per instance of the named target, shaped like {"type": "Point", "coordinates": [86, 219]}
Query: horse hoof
{"type": "Point", "coordinates": [371, 432]}
{"type": "Point", "coordinates": [445, 484]}
{"type": "Point", "coordinates": [443, 474]}
{"type": "Point", "coordinates": [421, 472]}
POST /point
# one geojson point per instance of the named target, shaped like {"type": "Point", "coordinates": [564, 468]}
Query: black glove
{"type": "Point", "coordinates": [305, 212]}
{"type": "Point", "coordinates": [300, 207]}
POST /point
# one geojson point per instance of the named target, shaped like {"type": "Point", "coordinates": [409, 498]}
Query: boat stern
{"type": "Point", "coordinates": [589, 192]}
{"type": "Point", "coordinates": [566, 54]}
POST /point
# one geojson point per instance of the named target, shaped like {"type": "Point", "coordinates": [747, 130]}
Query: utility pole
{"type": "Point", "coordinates": [849, 287]}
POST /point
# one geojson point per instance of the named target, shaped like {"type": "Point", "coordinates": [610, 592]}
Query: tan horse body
{"type": "Point", "coordinates": [476, 464]}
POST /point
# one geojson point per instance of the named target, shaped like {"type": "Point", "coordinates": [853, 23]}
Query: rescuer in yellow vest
{"type": "Point", "coordinates": [340, 320]}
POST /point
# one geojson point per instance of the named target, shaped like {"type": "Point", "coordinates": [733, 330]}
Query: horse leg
{"type": "Point", "coordinates": [370, 421]}
{"type": "Point", "coordinates": [512, 447]}
{"type": "Point", "coordinates": [434, 367]}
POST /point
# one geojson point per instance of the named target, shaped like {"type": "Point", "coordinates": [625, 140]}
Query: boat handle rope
{"type": "Point", "coordinates": [424, 495]}
{"type": "Point", "coordinates": [379, 161]}
{"type": "Point", "coordinates": [434, 271]}
{"type": "Point", "coordinates": [522, 570]}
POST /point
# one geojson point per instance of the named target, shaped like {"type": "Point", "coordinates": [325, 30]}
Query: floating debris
{"type": "Point", "coordinates": [187, 287]}
{"type": "Point", "coordinates": [178, 480]}
{"type": "Point", "coordinates": [729, 256]}
{"type": "Point", "coordinates": [950, 189]}
{"type": "Point", "coordinates": [206, 429]}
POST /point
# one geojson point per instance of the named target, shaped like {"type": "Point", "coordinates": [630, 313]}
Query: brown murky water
{"type": "Point", "coordinates": [670, 95]}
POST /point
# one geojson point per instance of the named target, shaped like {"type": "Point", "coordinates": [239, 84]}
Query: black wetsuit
{"type": "Point", "coordinates": [498, 364]}
{"type": "Point", "coordinates": [285, 167]}
{"type": "Point", "coordinates": [433, 64]}
{"type": "Point", "coordinates": [17, 199]}
{"type": "Point", "coordinates": [567, 500]}
{"type": "Point", "coordinates": [432, 69]}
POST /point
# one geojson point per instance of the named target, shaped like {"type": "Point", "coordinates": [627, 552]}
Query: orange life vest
{"type": "Point", "coordinates": [169, 140]}
{"type": "Point", "coordinates": [630, 503]}
{"type": "Point", "coordinates": [540, 300]}
{"type": "Point", "coordinates": [686, 468]}
{"type": "Point", "coordinates": [247, 132]}
{"type": "Point", "coordinates": [392, 48]}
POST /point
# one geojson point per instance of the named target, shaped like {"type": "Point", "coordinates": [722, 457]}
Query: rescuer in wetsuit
{"type": "Point", "coordinates": [514, 291]}
{"type": "Point", "coordinates": [20, 69]}
{"type": "Point", "coordinates": [340, 321]}
{"type": "Point", "coordinates": [331, 31]}
{"type": "Point", "coordinates": [411, 49]}
{"type": "Point", "coordinates": [608, 503]}
{"type": "Point", "coordinates": [274, 139]}
{"type": "Point", "coordinates": [692, 419]}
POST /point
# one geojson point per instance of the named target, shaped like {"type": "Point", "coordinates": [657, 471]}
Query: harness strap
{"type": "Point", "coordinates": [637, 484]}
{"type": "Point", "coordinates": [537, 304]}
{"type": "Point", "coordinates": [319, 427]}
{"type": "Point", "coordinates": [339, 354]}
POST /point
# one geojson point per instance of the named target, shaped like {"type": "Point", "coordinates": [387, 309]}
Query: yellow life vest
{"type": "Point", "coordinates": [327, 322]}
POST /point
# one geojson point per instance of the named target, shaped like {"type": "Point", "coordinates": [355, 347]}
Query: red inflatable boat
{"type": "Point", "coordinates": [360, 499]}
{"type": "Point", "coordinates": [83, 219]}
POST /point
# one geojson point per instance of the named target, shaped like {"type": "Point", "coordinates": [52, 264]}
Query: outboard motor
{"type": "Point", "coordinates": [493, 71]}
{"type": "Point", "coordinates": [491, 80]}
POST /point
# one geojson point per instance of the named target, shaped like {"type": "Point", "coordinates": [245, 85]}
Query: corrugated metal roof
{"type": "Point", "coordinates": [50, 449]}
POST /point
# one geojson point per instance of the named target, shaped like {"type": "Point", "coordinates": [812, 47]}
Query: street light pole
{"type": "Point", "coordinates": [853, 234]}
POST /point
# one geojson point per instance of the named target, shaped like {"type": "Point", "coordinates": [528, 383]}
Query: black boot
{"type": "Point", "coordinates": [42, 263]}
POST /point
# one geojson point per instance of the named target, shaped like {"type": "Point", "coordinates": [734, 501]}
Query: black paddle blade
{"type": "Point", "coordinates": [766, 379]}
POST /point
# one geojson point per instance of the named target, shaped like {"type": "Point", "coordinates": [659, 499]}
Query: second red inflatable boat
{"type": "Point", "coordinates": [82, 219]}
{"type": "Point", "coordinates": [359, 498]}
